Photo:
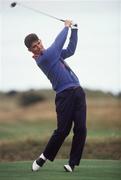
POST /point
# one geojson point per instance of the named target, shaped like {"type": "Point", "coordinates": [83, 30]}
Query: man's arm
{"type": "Point", "coordinates": [56, 48]}
{"type": "Point", "coordinates": [60, 39]}
{"type": "Point", "coordinates": [70, 50]}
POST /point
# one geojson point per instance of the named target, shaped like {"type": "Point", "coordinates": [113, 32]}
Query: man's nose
{"type": "Point", "coordinates": [38, 46]}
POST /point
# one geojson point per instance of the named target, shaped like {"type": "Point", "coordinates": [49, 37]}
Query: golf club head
{"type": "Point", "coordinates": [13, 4]}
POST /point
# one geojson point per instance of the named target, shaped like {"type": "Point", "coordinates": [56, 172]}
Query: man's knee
{"type": "Point", "coordinates": [61, 133]}
{"type": "Point", "coordinates": [80, 131]}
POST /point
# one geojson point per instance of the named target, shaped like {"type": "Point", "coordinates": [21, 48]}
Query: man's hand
{"type": "Point", "coordinates": [68, 23]}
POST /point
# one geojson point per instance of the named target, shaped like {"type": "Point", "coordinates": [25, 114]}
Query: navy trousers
{"type": "Point", "coordinates": [71, 110]}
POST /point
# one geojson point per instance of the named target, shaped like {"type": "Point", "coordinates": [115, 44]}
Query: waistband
{"type": "Point", "coordinates": [71, 88]}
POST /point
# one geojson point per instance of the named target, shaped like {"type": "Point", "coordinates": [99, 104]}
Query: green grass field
{"type": "Point", "coordinates": [88, 170]}
{"type": "Point", "coordinates": [43, 129]}
{"type": "Point", "coordinates": [17, 138]}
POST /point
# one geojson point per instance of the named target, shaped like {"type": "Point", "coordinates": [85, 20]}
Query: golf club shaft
{"type": "Point", "coordinates": [43, 13]}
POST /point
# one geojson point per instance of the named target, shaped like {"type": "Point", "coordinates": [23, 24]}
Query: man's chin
{"type": "Point", "coordinates": [38, 53]}
{"type": "Point", "coordinates": [41, 52]}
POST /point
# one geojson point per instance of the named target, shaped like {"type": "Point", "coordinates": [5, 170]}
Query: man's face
{"type": "Point", "coordinates": [36, 47]}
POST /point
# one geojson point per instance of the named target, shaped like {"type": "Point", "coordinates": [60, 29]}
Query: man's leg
{"type": "Point", "coordinates": [79, 130]}
{"type": "Point", "coordinates": [64, 108]}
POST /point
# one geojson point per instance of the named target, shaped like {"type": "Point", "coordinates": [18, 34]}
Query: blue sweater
{"type": "Point", "coordinates": [53, 65]}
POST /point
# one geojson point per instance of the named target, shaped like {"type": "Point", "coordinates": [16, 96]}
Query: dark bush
{"type": "Point", "coordinates": [28, 98]}
{"type": "Point", "coordinates": [119, 95]}
{"type": "Point", "coordinates": [11, 93]}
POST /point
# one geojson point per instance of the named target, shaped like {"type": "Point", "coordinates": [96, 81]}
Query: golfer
{"type": "Point", "coordinates": [70, 97]}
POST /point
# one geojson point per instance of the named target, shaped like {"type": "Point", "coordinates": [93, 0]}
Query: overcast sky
{"type": "Point", "coordinates": [97, 58]}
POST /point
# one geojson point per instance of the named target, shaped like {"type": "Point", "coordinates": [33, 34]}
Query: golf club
{"type": "Point", "coordinates": [13, 4]}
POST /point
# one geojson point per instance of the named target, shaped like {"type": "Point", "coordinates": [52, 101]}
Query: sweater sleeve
{"type": "Point", "coordinates": [70, 50]}
{"type": "Point", "coordinates": [55, 49]}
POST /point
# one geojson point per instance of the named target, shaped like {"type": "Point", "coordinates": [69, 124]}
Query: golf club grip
{"type": "Point", "coordinates": [64, 21]}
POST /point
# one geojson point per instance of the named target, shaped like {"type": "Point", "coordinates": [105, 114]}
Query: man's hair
{"type": "Point", "coordinates": [29, 39]}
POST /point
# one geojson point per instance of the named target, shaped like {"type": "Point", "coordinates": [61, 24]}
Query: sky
{"type": "Point", "coordinates": [96, 61]}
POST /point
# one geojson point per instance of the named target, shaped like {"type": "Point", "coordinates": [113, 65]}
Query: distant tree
{"type": "Point", "coordinates": [11, 93]}
{"type": "Point", "coordinates": [31, 97]}
{"type": "Point", "coordinates": [119, 95]}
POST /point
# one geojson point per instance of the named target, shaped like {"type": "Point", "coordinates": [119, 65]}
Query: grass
{"type": "Point", "coordinates": [88, 170]}
{"type": "Point", "coordinates": [23, 130]}
{"type": "Point", "coordinates": [43, 129]}
{"type": "Point", "coordinates": [17, 138]}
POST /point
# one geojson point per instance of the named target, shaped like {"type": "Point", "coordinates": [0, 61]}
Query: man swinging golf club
{"type": "Point", "coordinates": [70, 97]}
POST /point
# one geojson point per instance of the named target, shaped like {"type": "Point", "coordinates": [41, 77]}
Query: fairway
{"type": "Point", "coordinates": [88, 170]}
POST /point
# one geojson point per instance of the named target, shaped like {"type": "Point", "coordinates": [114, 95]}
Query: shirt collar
{"type": "Point", "coordinates": [35, 57]}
